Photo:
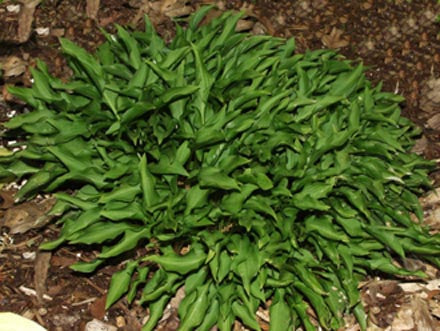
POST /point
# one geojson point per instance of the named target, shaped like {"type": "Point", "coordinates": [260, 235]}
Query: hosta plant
{"type": "Point", "coordinates": [254, 176]}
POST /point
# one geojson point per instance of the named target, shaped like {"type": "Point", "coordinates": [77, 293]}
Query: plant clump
{"type": "Point", "coordinates": [286, 178]}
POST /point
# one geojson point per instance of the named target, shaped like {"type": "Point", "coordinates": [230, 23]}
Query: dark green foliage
{"type": "Point", "coordinates": [287, 175]}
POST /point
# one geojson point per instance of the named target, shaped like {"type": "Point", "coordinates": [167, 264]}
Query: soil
{"type": "Point", "coordinates": [399, 41]}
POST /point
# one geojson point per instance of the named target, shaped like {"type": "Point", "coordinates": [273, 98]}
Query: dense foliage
{"type": "Point", "coordinates": [286, 177]}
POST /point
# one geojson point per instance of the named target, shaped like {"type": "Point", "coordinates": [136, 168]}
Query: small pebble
{"type": "Point", "coordinates": [42, 31]}
{"type": "Point", "coordinates": [13, 9]}
{"type": "Point", "coordinates": [29, 255]}
{"type": "Point", "coordinates": [42, 311]}
{"type": "Point", "coordinates": [120, 321]}
{"type": "Point", "coordinates": [97, 325]}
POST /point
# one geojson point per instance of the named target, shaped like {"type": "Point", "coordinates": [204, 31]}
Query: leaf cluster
{"type": "Point", "coordinates": [288, 176]}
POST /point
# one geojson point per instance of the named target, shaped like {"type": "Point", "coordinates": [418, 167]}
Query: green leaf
{"type": "Point", "coordinates": [347, 82]}
{"type": "Point", "coordinates": [156, 310]}
{"type": "Point", "coordinates": [204, 80]}
{"type": "Point", "coordinates": [128, 242]}
{"type": "Point", "coordinates": [120, 283]}
{"type": "Point", "coordinates": [195, 198]}
{"type": "Point", "coordinates": [195, 313]}
{"type": "Point", "coordinates": [279, 312]}
{"type": "Point", "coordinates": [214, 177]}
{"type": "Point", "coordinates": [86, 267]}
{"type": "Point", "coordinates": [247, 317]}
{"type": "Point", "coordinates": [147, 183]}
{"type": "Point", "coordinates": [181, 264]}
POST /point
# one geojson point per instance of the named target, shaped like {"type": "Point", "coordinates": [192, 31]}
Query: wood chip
{"type": "Point", "coordinates": [92, 8]}
{"type": "Point", "coordinates": [32, 292]}
{"type": "Point", "coordinates": [41, 268]}
{"type": "Point", "coordinates": [25, 19]}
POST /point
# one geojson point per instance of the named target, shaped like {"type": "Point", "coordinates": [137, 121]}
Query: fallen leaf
{"type": "Point", "coordinates": [41, 268]}
{"type": "Point", "coordinates": [434, 122]}
{"type": "Point", "coordinates": [432, 220]}
{"type": "Point", "coordinates": [97, 308]}
{"type": "Point", "coordinates": [420, 146]}
{"type": "Point", "coordinates": [5, 93]}
{"type": "Point", "coordinates": [62, 261]}
{"type": "Point", "coordinates": [413, 264]}
{"type": "Point", "coordinates": [7, 199]}
{"type": "Point", "coordinates": [411, 287]}
{"type": "Point", "coordinates": [175, 8]}
{"type": "Point", "coordinates": [430, 95]}
{"type": "Point", "coordinates": [28, 215]}
{"type": "Point", "coordinates": [422, 316]}
{"type": "Point", "coordinates": [12, 66]}
{"type": "Point", "coordinates": [382, 298]}
{"type": "Point", "coordinates": [334, 39]}
{"type": "Point", "coordinates": [244, 25]}
{"type": "Point", "coordinates": [404, 320]}
{"type": "Point", "coordinates": [431, 199]}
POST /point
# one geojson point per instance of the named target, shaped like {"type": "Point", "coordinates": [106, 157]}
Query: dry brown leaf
{"type": "Point", "coordinates": [422, 316]}
{"type": "Point", "coordinates": [12, 66]}
{"type": "Point", "coordinates": [266, 22]}
{"type": "Point", "coordinates": [420, 146]}
{"type": "Point", "coordinates": [145, 8]}
{"type": "Point", "coordinates": [411, 287]}
{"type": "Point", "coordinates": [25, 19]}
{"type": "Point", "coordinates": [430, 95]}
{"type": "Point", "coordinates": [5, 93]}
{"type": "Point", "coordinates": [259, 29]}
{"type": "Point", "coordinates": [41, 268]}
{"type": "Point", "coordinates": [7, 199]}
{"type": "Point", "coordinates": [433, 285]}
{"type": "Point", "coordinates": [404, 320]}
{"type": "Point", "coordinates": [381, 298]}
{"type": "Point", "coordinates": [413, 264]}
{"type": "Point", "coordinates": [434, 122]}
{"type": "Point", "coordinates": [92, 8]}
{"type": "Point", "coordinates": [431, 199]}
{"type": "Point", "coordinates": [62, 261]}
{"type": "Point", "coordinates": [212, 14]}
{"type": "Point", "coordinates": [334, 39]}
{"type": "Point", "coordinates": [28, 215]}
{"type": "Point", "coordinates": [175, 8]}
{"type": "Point", "coordinates": [97, 308]}
{"type": "Point", "coordinates": [432, 219]}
